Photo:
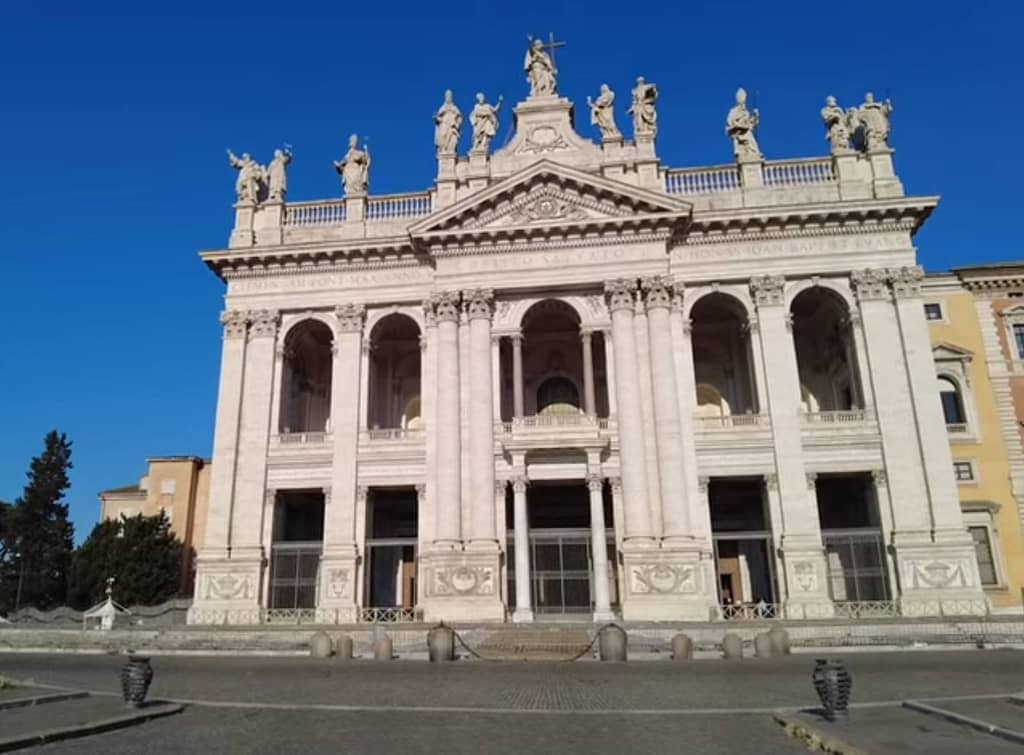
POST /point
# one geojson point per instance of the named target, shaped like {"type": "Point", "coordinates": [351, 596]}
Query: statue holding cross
{"type": "Point", "coordinates": [540, 66]}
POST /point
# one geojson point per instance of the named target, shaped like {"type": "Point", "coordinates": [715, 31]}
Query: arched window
{"type": "Point", "coordinates": [825, 351]}
{"type": "Point", "coordinates": [394, 379]}
{"type": "Point", "coordinates": [952, 402]}
{"type": "Point", "coordinates": [558, 395]}
{"type": "Point", "coordinates": [721, 356]}
{"type": "Point", "coordinates": [306, 378]}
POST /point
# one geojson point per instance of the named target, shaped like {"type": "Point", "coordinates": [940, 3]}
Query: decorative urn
{"type": "Point", "coordinates": [136, 676]}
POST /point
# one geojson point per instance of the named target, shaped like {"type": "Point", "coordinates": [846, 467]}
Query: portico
{"type": "Point", "coordinates": [568, 380]}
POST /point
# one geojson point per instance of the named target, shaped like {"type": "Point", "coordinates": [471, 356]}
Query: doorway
{"type": "Point", "coordinates": [391, 558]}
{"type": "Point", "coordinates": [743, 544]}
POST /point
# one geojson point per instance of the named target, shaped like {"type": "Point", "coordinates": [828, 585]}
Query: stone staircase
{"type": "Point", "coordinates": [535, 643]}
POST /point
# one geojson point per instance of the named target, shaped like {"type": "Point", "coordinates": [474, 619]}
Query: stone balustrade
{"type": "Point", "coordinates": [398, 207]}
{"type": "Point", "coordinates": [713, 180]}
{"type": "Point", "coordinates": [328, 212]}
{"type": "Point", "coordinates": [814, 170]}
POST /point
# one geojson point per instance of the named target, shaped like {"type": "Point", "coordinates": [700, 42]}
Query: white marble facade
{"type": "Point", "coordinates": [603, 236]}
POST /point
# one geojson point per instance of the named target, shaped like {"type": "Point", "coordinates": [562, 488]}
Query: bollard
{"type": "Point", "coordinates": [136, 676]}
{"type": "Point", "coordinates": [682, 648]}
{"type": "Point", "coordinates": [441, 644]}
{"type": "Point", "coordinates": [763, 645]}
{"type": "Point", "coordinates": [780, 640]}
{"type": "Point", "coordinates": [320, 645]}
{"type": "Point", "coordinates": [832, 682]}
{"type": "Point", "coordinates": [382, 648]}
{"type": "Point", "coordinates": [611, 642]}
{"type": "Point", "coordinates": [343, 647]}
{"type": "Point", "coordinates": [732, 647]}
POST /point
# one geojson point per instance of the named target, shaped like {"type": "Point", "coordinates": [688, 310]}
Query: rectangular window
{"type": "Point", "coordinates": [964, 471]}
{"type": "Point", "coordinates": [983, 552]}
{"type": "Point", "coordinates": [1018, 340]}
{"type": "Point", "coordinates": [932, 311]}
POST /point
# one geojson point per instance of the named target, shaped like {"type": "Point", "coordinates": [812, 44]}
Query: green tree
{"type": "Point", "coordinates": [36, 535]}
{"type": "Point", "coordinates": [139, 552]}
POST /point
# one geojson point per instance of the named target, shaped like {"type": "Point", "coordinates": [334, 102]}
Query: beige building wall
{"type": "Point", "coordinates": [177, 485]}
{"type": "Point", "coordinates": [988, 498]}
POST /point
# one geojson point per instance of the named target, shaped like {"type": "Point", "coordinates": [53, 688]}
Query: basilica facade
{"type": "Point", "coordinates": [569, 380]}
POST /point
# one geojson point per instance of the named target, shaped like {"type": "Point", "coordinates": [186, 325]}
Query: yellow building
{"type": "Point", "coordinates": [177, 485]}
{"type": "Point", "coordinates": [982, 444]}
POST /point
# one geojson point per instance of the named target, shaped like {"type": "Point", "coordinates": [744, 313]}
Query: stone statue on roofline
{"type": "Point", "coordinates": [645, 115]}
{"type": "Point", "coordinates": [447, 126]}
{"type": "Point", "coordinates": [740, 126]}
{"type": "Point", "coordinates": [354, 168]}
{"type": "Point", "coordinates": [837, 126]}
{"type": "Point", "coordinates": [540, 70]}
{"type": "Point", "coordinates": [249, 185]}
{"type": "Point", "coordinates": [276, 174]}
{"type": "Point", "coordinates": [602, 113]}
{"type": "Point", "coordinates": [873, 120]}
{"type": "Point", "coordinates": [485, 123]}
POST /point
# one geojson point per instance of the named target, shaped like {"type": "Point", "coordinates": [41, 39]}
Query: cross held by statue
{"type": "Point", "coordinates": [550, 45]}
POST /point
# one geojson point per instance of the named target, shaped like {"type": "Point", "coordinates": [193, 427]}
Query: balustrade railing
{"type": "Point", "coordinates": [289, 616]}
{"type": "Point", "coordinates": [750, 611]}
{"type": "Point", "coordinates": [328, 212]}
{"type": "Point", "coordinates": [731, 420]}
{"type": "Point", "coordinates": [289, 439]}
{"type": "Point", "coordinates": [956, 427]}
{"type": "Point", "coordinates": [713, 180]}
{"type": "Point", "coordinates": [390, 615]}
{"type": "Point", "coordinates": [815, 170]}
{"type": "Point", "coordinates": [554, 420]}
{"type": "Point", "coordinates": [846, 416]}
{"type": "Point", "coordinates": [396, 433]}
{"type": "Point", "coordinates": [397, 206]}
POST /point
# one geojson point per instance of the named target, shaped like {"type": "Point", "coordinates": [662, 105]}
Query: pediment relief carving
{"type": "Point", "coordinates": [546, 205]}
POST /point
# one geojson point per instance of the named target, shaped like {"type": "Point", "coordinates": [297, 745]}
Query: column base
{"type": "Point", "coordinates": [938, 577]}
{"type": "Point", "coordinates": [337, 588]}
{"type": "Point", "coordinates": [803, 562]}
{"type": "Point", "coordinates": [522, 616]}
{"type": "Point", "coordinates": [228, 589]}
{"type": "Point", "coordinates": [668, 584]}
{"type": "Point", "coordinates": [461, 586]}
{"type": "Point", "coordinates": [602, 617]}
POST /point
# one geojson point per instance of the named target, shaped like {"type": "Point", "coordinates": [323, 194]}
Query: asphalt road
{"type": "Point", "coordinates": [250, 704]}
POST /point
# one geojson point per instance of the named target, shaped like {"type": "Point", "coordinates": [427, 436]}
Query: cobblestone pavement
{"type": "Point", "coordinates": [277, 705]}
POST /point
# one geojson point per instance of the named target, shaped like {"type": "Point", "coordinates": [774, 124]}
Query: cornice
{"type": "Point", "coordinates": [549, 244]}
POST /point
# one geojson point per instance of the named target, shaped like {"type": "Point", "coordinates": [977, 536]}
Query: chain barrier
{"type": "Point", "coordinates": [587, 649]}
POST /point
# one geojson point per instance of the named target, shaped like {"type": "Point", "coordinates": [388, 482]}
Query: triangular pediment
{"type": "Point", "coordinates": [947, 352]}
{"type": "Point", "coordinates": [548, 194]}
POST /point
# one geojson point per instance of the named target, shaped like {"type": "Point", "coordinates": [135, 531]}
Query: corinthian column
{"type": "Point", "coordinates": [481, 420]}
{"type": "Point", "coordinates": [675, 509]}
{"type": "Point", "coordinates": [448, 530]}
{"type": "Point", "coordinates": [620, 295]}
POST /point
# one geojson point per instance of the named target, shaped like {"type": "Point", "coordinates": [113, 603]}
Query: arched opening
{"type": "Point", "coordinates": [952, 401]}
{"type": "Point", "coordinates": [721, 357]}
{"type": "Point", "coordinates": [393, 399]}
{"type": "Point", "coordinates": [557, 395]}
{"type": "Point", "coordinates": [306, 378]}
{"type": "Point", "coordinates": [825, 352]}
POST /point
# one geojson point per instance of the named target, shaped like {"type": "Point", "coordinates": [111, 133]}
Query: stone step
{"type": "Point", "coordinates": [531, 644]}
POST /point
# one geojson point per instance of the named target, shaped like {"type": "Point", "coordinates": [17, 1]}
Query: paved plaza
{"type": "Point", "coordinates": [263, 704]}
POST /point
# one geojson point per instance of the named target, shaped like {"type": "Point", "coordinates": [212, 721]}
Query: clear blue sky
{"type": "Point", "coordinates": [115, 122]}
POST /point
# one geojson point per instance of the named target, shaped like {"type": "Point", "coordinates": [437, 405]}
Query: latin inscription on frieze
{"type": "Point", "coordinates": [552, 258]}
{"type": "Point", "coordinates": [330, 281]}
{"type": "Point", "coordinates": [806, 247]}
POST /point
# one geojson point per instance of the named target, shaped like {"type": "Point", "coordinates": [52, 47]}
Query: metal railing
{"type": "Point", "coordinates": [397, 206]}
{"type": "Point", "coordinates": [289, 616]}
{"type": "Point", "coordinates": [750, 611]}
{"type": "Point", "coordinates": [323, 212]}
{"type": "Point", "coordinates": [712, 180]}
{"type": "Point", "coordinates": [396, 615]}
{"type": "Point", "coordinates": [844, 416]}
{"type": "Point", "coordinates": [859, 610]}
{"type": "Point", "coordinates": [731, 420]}
{"type": "Point", "coordinates": [396, 433]}
{"type": "Point", "coordinates": [805, 172]}
{"type": "Point", "coordinates": [299, 438]}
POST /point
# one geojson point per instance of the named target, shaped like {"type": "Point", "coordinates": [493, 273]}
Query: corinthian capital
{"type": "Point", "coordinates": [444, 306]}
{"type": "Point", "coordinates": [619, 293]}
{"type": "Point", "coordinates": [871, 283]}
{"type": "Point", "coordinates": [350, 317]}
{"type": "Point", "coordinates": [263, 323]}
{"type": "Point", "coordinates": [906, 281]}
{"type": "Point", "coordinates": [234, 322]}
{"type": "Point", "coordinates": [767, 289]}
{"type": "Point", "coordinates": [479, 303]}
{"type": "Point", "coordinates": [658, 292]}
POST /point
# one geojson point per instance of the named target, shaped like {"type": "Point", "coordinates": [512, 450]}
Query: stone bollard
{"type": "Point", "coordinates": [320, 645]}
{"type": "Point", "coordinates": [732, 647]}
{"type": "Point", "coordinates": [780, 640]}
{"type": "Point", "coordinates": [611, 642]}
{"type": "Point", "coordinates": [682, 648]}
{"type": "Point", "coordinates": [383, 650]}
{"type": "Point", "coordinates": [441, 644]}
{"type": "Point", "coordinates": [763, 645]}
{"type": "Point", "coordinates": [343, 647]}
